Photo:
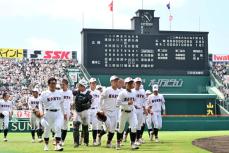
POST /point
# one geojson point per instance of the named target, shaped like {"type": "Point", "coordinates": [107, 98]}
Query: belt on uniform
{"type": "Point", "coordinates": [126, 111]}
{"type": "Point", "coordinates": [52, 110]}
{"type": "Point", "coordinates": [136, 107]}
{"type": "Point", "coordinates": [93, 108]}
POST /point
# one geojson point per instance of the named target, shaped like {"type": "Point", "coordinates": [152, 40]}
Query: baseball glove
{"type": "Point", "coordinates": [1, 115]}
{"type": "Point", "coordinates": [37, 113]}
{"type": "Point", "coordinates": [101, 116]}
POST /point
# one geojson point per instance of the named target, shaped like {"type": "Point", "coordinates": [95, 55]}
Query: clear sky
{"type": "Point", "coordinates": [56, 24]}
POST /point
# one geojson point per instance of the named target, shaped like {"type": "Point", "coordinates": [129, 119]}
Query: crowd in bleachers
{"type": "Point", "coordinates": [19, 76]}
{"type": "Point", "coordinates": [221, 72]}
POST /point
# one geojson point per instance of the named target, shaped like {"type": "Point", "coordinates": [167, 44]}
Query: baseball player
{"type": "Point", "coordinates": [156, 103]}
{"type": "Point", "coordinates": [139, 104]}
{"type": "Point", "coordinates": [68, 101]}
{"type": "Point", "coordinates": [33, 103]}
{"type": "Point", "coordinates": [51, 108]}
{"type": "Point", "coordinates": [126, 100]}
{"type": "Point", "coordinates": [108, 104]}
{"type": "Point", "coordinates": [58, 87]}
{"type": "Point", "coordinates": [82, 104]}
{"type": "Point", "coordinates": [5, 114]}
{"type": "Point", "coordinates": [121, 86]}
{"type": "Point", "coordinates": [148, 116]}
{"type": "Point", "coordinates": [96, 124]}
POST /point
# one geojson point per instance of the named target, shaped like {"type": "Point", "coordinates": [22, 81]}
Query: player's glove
{"type": "Point", "coordinates": [101, 116]}
{"type": "Point", "coordinates": [37, 113]}
{"type": "Point", "coordinates": [1, 115]}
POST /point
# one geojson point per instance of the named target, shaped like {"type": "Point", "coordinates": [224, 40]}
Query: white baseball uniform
{"type": "Point", "coordinates": [158, 104]}
{"type": "Point", "coordinates": [68, 101]}
{"type": "Point", "coordinates": [96, 124]}
{"type": "Point", "coordinates": [108, 104]}
{"type": "Point", "coordinates": [53, 105]}
{"type": "Point", "coordinates": [33, 103]}
{"type": "Point", "coordinates": [128, 113]}
{"type": "Point", "coordinates": [5, 109]}
{"type": "Point", "coordinates": [139, 103]}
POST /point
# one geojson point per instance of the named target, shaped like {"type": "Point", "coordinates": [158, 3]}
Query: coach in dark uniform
{"type": "Point", "coordinates": [82, 104]}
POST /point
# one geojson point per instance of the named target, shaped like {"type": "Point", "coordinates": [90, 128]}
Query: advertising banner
{"type": "Point", "coordinates": [11, 53]}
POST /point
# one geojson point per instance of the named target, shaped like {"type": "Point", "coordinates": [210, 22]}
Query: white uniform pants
{"type": "Point", "coordinates": [54, 122]}
{"type": "Point", "coordinates": [149, 121]}
{"type": "Point", "coordinates": [4, 122]}
{"type": "Point", "coordinates": [157, 120]}
{"type": "Point", "coordinates": [111, 121]}
{"type": "Point", "coordinates": [35, 122]}
{"type": "Point", "coordinates": [65, 123]}
{"type": "Point", "coordinates": [131, 118]}
{"type": "Point", "coordinates": [96, 124]}
{"type": "Point", "coordinates": [140, 118]}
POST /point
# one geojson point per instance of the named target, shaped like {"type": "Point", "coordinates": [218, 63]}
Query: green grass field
{"type": "Point", "coordinates": [170, 142]}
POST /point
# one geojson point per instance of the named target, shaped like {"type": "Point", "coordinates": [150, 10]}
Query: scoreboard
{"type": "Point", "coordinates": [145, 49]}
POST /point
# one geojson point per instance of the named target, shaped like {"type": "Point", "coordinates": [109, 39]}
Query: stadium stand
{"type": "Point", "coordinates": [19, 76]}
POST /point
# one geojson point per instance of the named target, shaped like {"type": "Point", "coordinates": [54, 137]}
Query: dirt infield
{"type": "Point", "coordinates": [218, 144]}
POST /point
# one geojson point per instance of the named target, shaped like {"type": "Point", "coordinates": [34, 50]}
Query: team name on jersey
{"type": "Point", "coordinates": [156, 100]}
{"type": "Point", "coordinates": [53, 98]}
{"type": "Point", "coordinates": [140, 96]}
{"type": "Point", "coordinates": [96, 96]}
{"type": "Point", "coordinates": [5, 106]}
{"type": "Point", "coordinates": [129, 98]}
{"type": "Point", "coordinates": [34, 102]}
{"type": "Point", "coordinates": [112, 96]}
{"type": "Point", "coordinates": [67, 97]}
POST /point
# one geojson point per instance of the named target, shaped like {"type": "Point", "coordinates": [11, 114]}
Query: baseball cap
{"type": "Point", "coordinates": [128, 79]}
{"type": "Point", "coordinates": [92, 80]}
{"type": "Point", "coordinates": [137, 79]}
{"type": "Point", "coordinates": [148, 92]}
{"type": "Point", "coordinates": [58, 86]}
{"type": "Point", "coordinates": [113, 77]}
{"type": "Point", "coordinates": [99, 86]}
{"type": "Point", "coordinates": [155, 87]}
{"type": "Point", "coordinates": [83, 83]}
{"type": "Point", "coordinates": [35, 90]}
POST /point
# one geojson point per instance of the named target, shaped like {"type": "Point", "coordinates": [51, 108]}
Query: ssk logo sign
{"type": "Point", "coordinates": [47, 54]}
{"type": "Point", "coordinates": [64, 55]}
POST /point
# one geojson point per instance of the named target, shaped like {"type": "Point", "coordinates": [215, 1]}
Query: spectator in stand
{"type": "Point", "coordinates": [19, 76]}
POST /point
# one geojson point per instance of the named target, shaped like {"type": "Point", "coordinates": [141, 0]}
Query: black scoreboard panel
{"type": "Point", "coordinates": [124, 52]}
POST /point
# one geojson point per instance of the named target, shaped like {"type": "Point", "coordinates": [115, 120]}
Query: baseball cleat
{"type": "Point", "coordinates": [95, 143]}
{"type": "Point", "coordinates": [134, 146]}
{"type": "Point", "coordinates": [40, 140]}
{"type": "Point", "coordinates": [137, 143]}
{"type": "Point", "coordinates": [33, 140]}
{"type": "Point", "coordinates": [62, 143]}
{"type": "Point", "coordinates": [46, 148]}
{"type": "Point", "coordinates": [5, 140]}
{"type": "Point", "coordinates": [118, 146]}
{"type": "Point", "coordinates": [109, 145]}
{"type": "Point", "coordinates": [58, 148]}
{"type": "Point", "coordinates": [76, 145]}
{"type": "Point", "coordinates": [156, 140]}
{"type": "Point", "coordinates": [141, 141]}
